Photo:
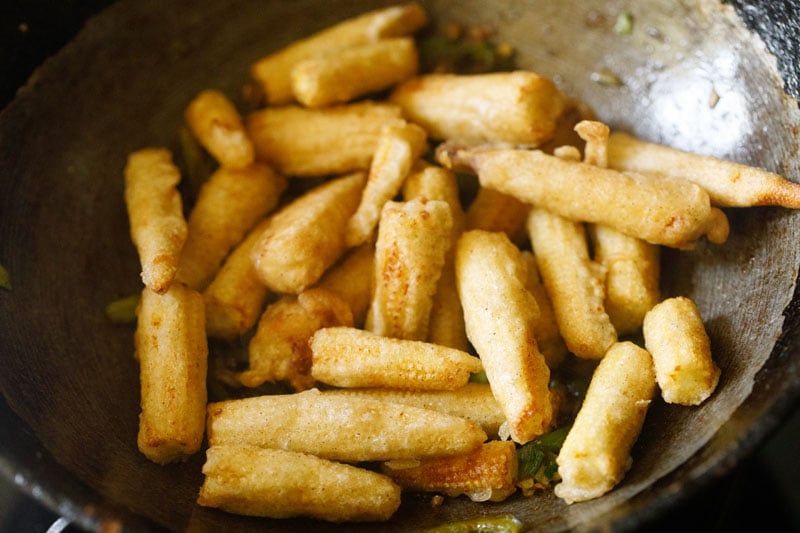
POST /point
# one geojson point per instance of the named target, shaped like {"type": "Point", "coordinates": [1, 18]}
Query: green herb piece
{"type": "Point", "coordinates": [123, 311]}
{"type": "Point", "coordinates": [479, 377]}
{"type": "Point", "coordinates": [486, 524]}
{"type": "Point", "coordinates": [537, 459]}
{"type": "Point", "coordinates": [623, 24]}
{"type": "Point", "coordinates": [5, 278]}
{"type": "Point", "coordinates": [464, 51]}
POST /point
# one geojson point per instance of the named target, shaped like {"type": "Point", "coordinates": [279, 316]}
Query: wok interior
{"type": "Point", "coordinates": [69, 374]}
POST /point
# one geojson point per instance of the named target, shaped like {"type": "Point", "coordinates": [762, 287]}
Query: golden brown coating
{"type": "Point", "coordinates": [492, 210]}
{"type": "Point", "coordinates": [155, 213]}
{"type": "Point", "coordinates": [487, 474]}
{"type": "Point", "coordinates": [255, 481]}
{"type": "Point", "coordinates": [729, 184]}
{"type": "Point", "coordinates": [513, 107]}
{"type": "Point", "coordinates": [669, 211]}
{"type": "Point", "coordinates": [548, 337]}
{"type": "Point", "coordinates": [473, 401]}
{"type": "Point", "coordinates": [413, 242]}
{"type": "Point", "coordinates": [217, 125]}
{"type": "Point", "coordinates": [398, 148]}
{"type": "Point", "coordinates": [633, 270]}
{"type": "Point", "coordinates": [170, 342]}
{"type": "Point", "coordinates": [329, 79]}
{"type": "Point", "coordinates": [596, 453]}
{"type": "Point", "coordinates": [351, 279]}
{"type": "Point", "coordinates": [499, 314]}
{"type": "Point", "coordinates": [236, 296]}
{"type": "Point", "coordinates": [306, 236]}
{"type": "Point", "coordinates": [676, 337]}
{"type": "Point", "coordinates": [446, 323]}
{"type": "Point", "coordinates": [229, 204]}
{"type": "Point", "coordinates": [573, 282]}
{"type": "Point", "coordinates": [350, 357]}
{"type": "Point", "coordinates": [279, 349]}
{"type": "Point", "coordinates": [341, 428]}
{"type": "Point", "coordinates": [304, 142]}
{"type": "Point", "coordinates": [273, 72]}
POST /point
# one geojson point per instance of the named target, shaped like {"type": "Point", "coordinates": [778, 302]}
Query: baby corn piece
{"type": "Point", "coordinates": [235, 297]}
{"type": "Point", "coordinates": [306, 236]}
{"type": "Point", "coordinates": [341, 428]}
{"type": "Point", "coordinates": [499, 314]}
{"type": "Point", "coordinates": [573, 282]}
{"type": "Point", "coordinates": [228, 205]}
{"type": "Point", "coordinates": [668, 211]}
{"type": "Point", "coordinates": [596, 453]}
{"type": "Point", "coordinates": [728, 184]}
{"type": "Point", "coordinates": [217, 125]}
{"type": "Point", "coordinates": [513, 107]}
{"type": "Point", "coordinates": [170, 343]}
{"type": "Point", "coordinates": [254, 481]}
{"type": "Point", "coordinates": [155, 212]}
{"type": "Point", "coordinates": [548, 337]}
{"type": "Point", "coordinates": [398, 148]}
{"type": "Point", "coordinates": [350, 357]}
{"type": "Point", "coordinates": [473, 401]}
{"type": "Point", "coordinates": [337, 78]}
{"type": "Point", "coordinates": [433, 182]}
{"type": "Point", "coordinates": [279, 349]}
{"type": "Point", "coordinates": [304, 142]}
{"type": "Point", "coordinates": [351, 279]}
{"type": "Point", "coordinates": [273, 72]}
{"type": "Point", "coordinates": [446, 324]}
{"type": "Point", "coordinates": [487, 474]}
{"type": "Point", "coordinates": [632, 276]}
{"type": "Point", "coordinates": [675, 336]}
{"type": "Point", "coordinates": [493, 210]}
{"type": "Point", "coordinates": [631, 264]}
{"type": "Point", "coordinates": [413, 242]}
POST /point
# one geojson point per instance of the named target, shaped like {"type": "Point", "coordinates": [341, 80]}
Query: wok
{"type": "Point", "coordinates": [68, 415]}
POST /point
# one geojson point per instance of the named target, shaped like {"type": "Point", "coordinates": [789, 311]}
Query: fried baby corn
{"type": "Point", "coordinates": [155, 213]}
{"type": "Point", "coordinates": [273, 72]}
{"type": "Point", "coordinates": [170, 343]}
{"type": "Point", "coordinates": [255, 481]}
{"type": "Point", "coordinates": [512, 107]}
{"type": "Point", "coordinates": [668, 211]}
{"type": "Point", "coordinates": [548, 337]}
{"type": "Point", "coordinates": [279, 349]}
{"type": "Point", "coordinates": [596, 453]}
{"type": "Point", "coordinates": [446, 324]}
{"type": "Point", "coordinates": [330, 79]}
{"type": "Point", "coordinates": [499, 314]}
{"type": "Point", "coordinates": [236, 296]}
{"type": "Point", "coordinates": [306, 236]}
{"type": "Point", "coordinates": [398, 148]}
{"type": "Point", "coordinates": [217, 125]}
{"type": "Point", "coordinates": [413, 242]}
{"type": "Point", "coordinates": [351, 279]}
{"type": "Point", "coordinates": [304, 142]}
{"type": "Point", "coordinates": [229, 204]}
{"type": "Point", "coordinates": [676, 337]}
{"type": "Point", "coordinates": [728, 184]}
{"type": "Point", "coordinates": [493, 210]}
{"type": "Point", "coordinates": [341, 428]}
{"type": "Point", "coordinates": [350, 357]}
{"type": "Point", "coordinates": [631, 264]}
{"type": "Point", "coordinates": [487, 474]}
{"type": "Point", "coordinates": [573, 282]}
{"type": "Point", "coordinates": [473, 401]}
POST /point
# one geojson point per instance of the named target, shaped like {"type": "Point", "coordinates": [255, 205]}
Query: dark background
{"type": "Point", "coordinates": [762, 491]}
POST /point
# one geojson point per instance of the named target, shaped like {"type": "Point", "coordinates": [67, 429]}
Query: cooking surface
{"type": "Point", "coordinates": [762, 486]}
